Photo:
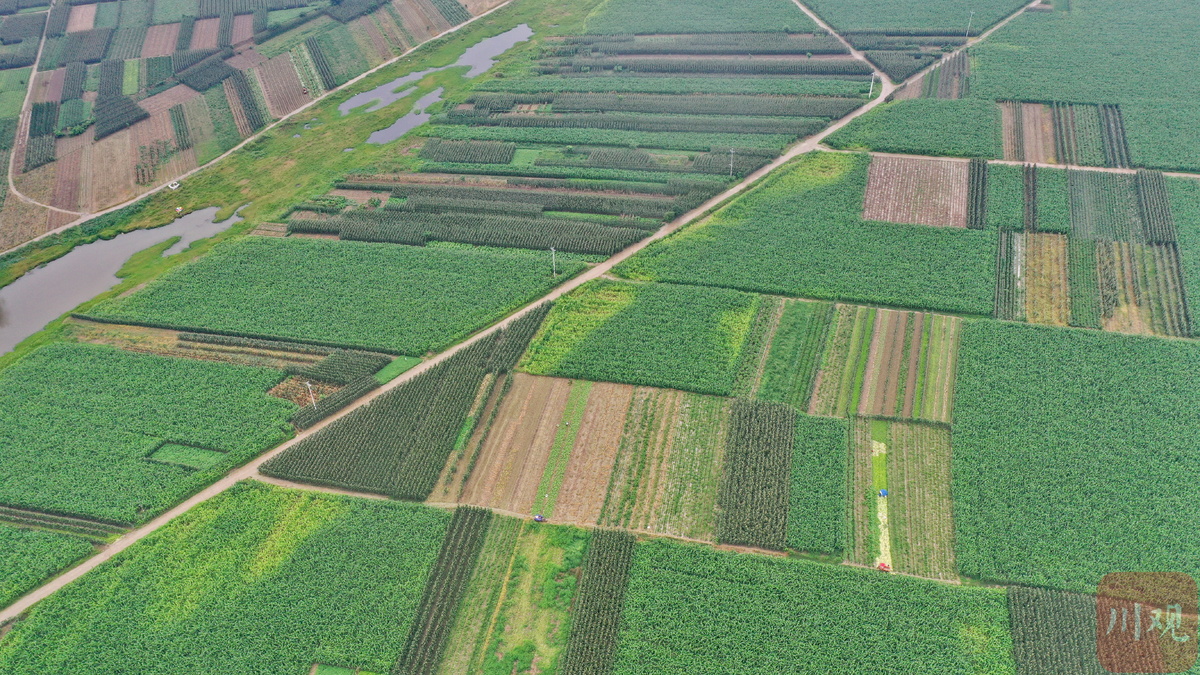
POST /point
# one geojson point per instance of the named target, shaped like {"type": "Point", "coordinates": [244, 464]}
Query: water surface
{"type": "Point", "coordinates": [47, 292]}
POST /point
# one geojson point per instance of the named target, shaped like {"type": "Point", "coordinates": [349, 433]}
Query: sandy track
{"type": "Point", "coordinates": [160, 40]}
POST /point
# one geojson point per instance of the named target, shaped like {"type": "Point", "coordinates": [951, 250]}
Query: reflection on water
{"type": "Point", "coordinates": [480, 57]}
{"type": "Point", "coordinates": [415, 118]}
{"type": "Point", "coordinates": [48, 292]}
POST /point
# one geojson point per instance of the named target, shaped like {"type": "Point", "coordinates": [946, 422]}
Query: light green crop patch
{"type": "Point", "coordinates": [570, 322]}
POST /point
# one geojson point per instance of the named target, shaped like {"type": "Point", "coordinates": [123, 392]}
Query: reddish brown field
{"type": "Point", "coordinates": [160, 40]}
{"type": "Point", "coordinates": [163, 101]}
{"type": "Point", "coordinates": [246, 59]}
{"type": "Point", "coordinates": [514, 455]}
{"type": "Point", "coordinates": [415, 22]}
{"type": "Point", "coordinates": [281, 85]}
{"type": "Point", "coordinates": [1037, 126]}
{"type": "Point", "coordinates": [477, 7]}
{"type": "Point", "coordinates": [66, 182]}
{"type": "Point", "coordinates": [918, 191]}
{"type": "Point", "coordinates": [239, 113]}
{"type": "Point", "coordinates": [243, 28]}
{"type": "Point", "coordinates": [47, 88]}
{"type": "Point", "coordinates": [82, 17]}
{"type": "Point", "coordinates": [21, 221]}
{"type": "Point", "coordinates": [205, 34]}
{"type": "Point", "coordinates": [585, 483]}
{"type": "Point", "coordinates": [112, 175]}
{"type": "Point", "coordinates": [435, 17]}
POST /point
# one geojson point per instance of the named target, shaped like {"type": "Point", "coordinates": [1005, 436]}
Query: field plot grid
{"type": "Point", "coordinates": [917, 191]}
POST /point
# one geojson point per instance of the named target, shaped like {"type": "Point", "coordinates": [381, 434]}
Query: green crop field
{"type": "Point", "coordinates": [817, 508]}
{"type": "Point", "coordinates": [244, 583]}
{"type": "Point", "coordinates": [28, 557]}
{"type": "Point", "coordinates": [692, 609]}
{"type": "Point", "coordinates": [1068, 56]}
{"type": "Point", "coordinates": [926, 126]}
{"type": "Point", "coordinates": [949, 16]}
{"type": "Point", "coordinates": [1185, 203]}
{"type": "Point", "coordinates": [1093, 429]}
{"type": "Point", "coordinates": [680, 337]}
{"type": "Point", "coordinates": [801, 234]}
{"type": "Point", "coordinates": [78, 421]}
{"type": "Point", "coordinates": [697, 16]}
{"type": "Point", "coordinates": [340, 292]}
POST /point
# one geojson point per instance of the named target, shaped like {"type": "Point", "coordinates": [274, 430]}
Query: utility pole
{"type": "Point", "coordinates": [310, 395]}
{"type": "Point", "coordinates": [871, 94]}
{"type": "Point", "coordinates": [731, 162]}
{"type": "Point", "coordinates": [969, 22]}
{"type": "Point", "coordinates": [553, 263]}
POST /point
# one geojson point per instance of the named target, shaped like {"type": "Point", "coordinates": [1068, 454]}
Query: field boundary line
{"type": "Point", "coordinates": [250, 469]}
{"type": "Point", "coordinates": [179, 179]}
{"type": "Point", "coordinates": [1015, 162]}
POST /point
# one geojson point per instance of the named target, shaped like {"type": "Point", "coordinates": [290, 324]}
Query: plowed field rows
{"type": "Point", "coordinates": [243, 28]}
{"type": "Point", "coordinates": [585, 482]}
{"type": "Point", "coordinates": [917, 191]}
{"type": "Point", "coordinates": [205, 34]}
{"type": "Point", "coordinates": [1038, 133]}
{"type": "Point", "coordinates": [281, 85]}
{"type": "Point", "coordinates": [888, 363]}
{"type": "Point", "coordinates": [415, 22]}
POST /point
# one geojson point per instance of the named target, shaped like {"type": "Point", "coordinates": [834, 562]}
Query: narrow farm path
{"type": "Point", "coordinates": [23, 123]}
{"type": "Point", "coordinates": [88, 216]}
{"type": "Point", "coordinates": [250, 470]}
{"type": "Point", "coordinates": [1013, 162]}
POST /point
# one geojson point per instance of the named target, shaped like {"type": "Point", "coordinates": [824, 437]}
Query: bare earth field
{"type": "Point", "coordinates": [160, 40]}
{"type": "Point", "coordinates": [81, 18]}
{"type": "Point", "coordinates": [917, 191]}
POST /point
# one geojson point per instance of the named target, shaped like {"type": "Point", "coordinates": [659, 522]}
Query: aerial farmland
{"type": "Point", "coordinates": [599, 337]}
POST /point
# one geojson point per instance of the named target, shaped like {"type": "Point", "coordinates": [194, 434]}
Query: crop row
{"type": "Point", "coordinates": [91, 529]}
{"type": "Point", "coordinates": [1077, 135]}
{"type": "Point", "coordinates": [1116, 146]}
{"type": "Point", "coordinates": [1155, 208]}
{"type": "Point", "coordinates": [900, 66]}
{"type": "Point", "coordinates": [116, 113]}
{"type": "Point", "coordinates": [321, 63]}
{"type": "Point", "coordinates": [211, 9]}
{"type": "Point", "coordinates": [13, 6]}
{"type": "Point", "coordinates": [484, 230]}
{"type": "Point", "coordinates": [1081, 276]}
{"type": "Point", "coordinates": [796, 350]}
{"type": "Point", "coordinates": [548, 199]}
{"type": "Point", "coordinates": [21, 27]}
{"type": "Point", "coordinates": [255, 117]}
{"type": "Point", "coordinates": [592, 645]}
{"type": "Point", "coordinates": [977, 175]}
{"type": "Point", "coordinates": [633, 122]}
{"type": "Point", "coordinates": [763, 66]}
{"type": "Point", "coordinates": [43, 124]}
{"type": "Point", "coordinates": [24, 55]}
{"type": "Point", "coordinates": [343, 366]}
{"type": "Point", "coordinates": [1030, 212]}
{"type": "Point", "coordinates": [730, 161]}
{"type": "Point", "coordinates": [206, 73]}
{"type": "Point", "coordinates": [112, 75]}
{"type": "Point", "coordinates": [512, 341]}
{"type": "Point", "coordinates": [183, 136]}
{"type": "Point", "coordinates": [253, 343]}
{"type": "Point", "coordinates": [754, 491]}
{"type": "Point", "coordinates": [349, 10]}
{"type": "Point", "coordinates": [87, 46]}
{"type": "Point", "coordinates": [699, 43]}
{"type": "Point", "coordinates": [896, 41]}
{"type": "Point", "coordinates": [39, 151]}
{"type": "Point", "coordinates": [444, 590]}
{"type": "Point", "coordinates": [452, 11]}
{"type": "Point", "coordinates": [397, 444]}
{"type": "Point", "coordinates": [716, 104]}
{"type": "Point", "coordinates": [1010, 300]}
{"type": "Point", "coordinates": [481, 152]}
{"type": "Point", "coordinates": [422, 204]}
